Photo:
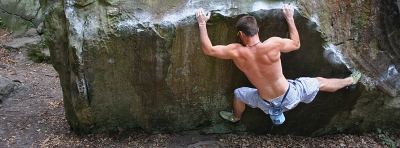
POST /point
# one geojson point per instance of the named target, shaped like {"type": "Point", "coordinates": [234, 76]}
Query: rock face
{"type": "Point", "coordinates": [7, 87]}
{"type": "Point", "coordinates": [139, 64]}
{"type": "Point", "coordinates": [10, 88]}
{"type": "Point", "coordinates": [20, 15]}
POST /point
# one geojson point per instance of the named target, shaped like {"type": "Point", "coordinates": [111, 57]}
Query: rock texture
{"type": "Point", "coordinates": [367, 36]}
{"type": "Point", "coordinates": [20, 15]}
{"type": "Point", "coordinates": [7, 87]}
{"type": "Point", "coordinates": [139, 64]}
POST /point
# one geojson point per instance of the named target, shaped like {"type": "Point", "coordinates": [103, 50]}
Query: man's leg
{"type": "Point", "coordinates": [235, 116]}
{"type": "Point", "coordinates": [333, 84]}
{"type": "Point", "coordinates": [238, 108]}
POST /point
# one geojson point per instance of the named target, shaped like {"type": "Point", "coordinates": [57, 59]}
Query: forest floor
{"type": "Point", "coordinates": [34, 117]}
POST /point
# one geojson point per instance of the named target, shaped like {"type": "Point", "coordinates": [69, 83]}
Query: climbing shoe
{"type": "Point", "coordinates": [356, 76]}
{"type": "Point", "coordinates": [229, 117]}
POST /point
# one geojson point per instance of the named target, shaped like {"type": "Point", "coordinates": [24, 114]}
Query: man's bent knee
{"type": "Point", "coordinates": [321, 81]}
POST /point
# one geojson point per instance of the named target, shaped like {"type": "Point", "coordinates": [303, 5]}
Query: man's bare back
{"type": "Point", "coordinates": [262, 66]}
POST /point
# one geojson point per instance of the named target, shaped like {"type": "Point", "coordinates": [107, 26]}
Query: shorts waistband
{"type": "Point", "coordinates": [277, 97]}
{"type": "Point", "coordinates": [273, 98]}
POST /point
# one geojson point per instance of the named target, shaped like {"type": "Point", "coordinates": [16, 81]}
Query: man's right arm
{"type": "Point", "coordinates": [294, 42]}
{"type": "Point", "coordinates": [219, 51]}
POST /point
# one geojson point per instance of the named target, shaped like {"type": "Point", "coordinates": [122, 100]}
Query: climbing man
{"type": "Point", "coordinates": [261, 63]}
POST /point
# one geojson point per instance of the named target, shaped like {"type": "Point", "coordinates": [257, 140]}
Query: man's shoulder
{"type": "Point", "coordinates": [235, 45]}
{"type": "Point", "coordinates": [271, 43]}
{"type": "Point", "coordinates": [274, 38]}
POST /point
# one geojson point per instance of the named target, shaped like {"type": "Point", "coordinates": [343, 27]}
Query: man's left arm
{"type": "Point", "coordinates": [294, 42]}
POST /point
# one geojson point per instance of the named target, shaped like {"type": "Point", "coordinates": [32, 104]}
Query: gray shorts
{"type": "Point", "coordinates": [302, 89]}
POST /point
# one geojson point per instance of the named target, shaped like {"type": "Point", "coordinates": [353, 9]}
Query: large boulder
{"type": "Point", "coordinates": [366, 34]}
{"type": "Point", "coordinates": [10, 88]}
{"type": "Point", "coordinates": [20, 15]}
{"type": "Point", "coordinates": [139, 64]}
{"type": "Point", "coordinates": [7, 87]}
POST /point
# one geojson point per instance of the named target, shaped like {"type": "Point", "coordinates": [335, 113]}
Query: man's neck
{"type": "Point", "coordinates": [251, 41]}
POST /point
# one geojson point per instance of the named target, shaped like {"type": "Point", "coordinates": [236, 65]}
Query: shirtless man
{"type": "Point", "coordinates": [261, 63]}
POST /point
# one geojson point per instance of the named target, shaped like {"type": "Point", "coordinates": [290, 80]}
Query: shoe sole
{"type": "Point", "coordinates": [356, 77]}
{"type": "Point", "coordinates": [235, 123]}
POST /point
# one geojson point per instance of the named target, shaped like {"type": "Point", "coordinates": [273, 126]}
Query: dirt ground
{"type": "Point", "coordinates": [34, 117]}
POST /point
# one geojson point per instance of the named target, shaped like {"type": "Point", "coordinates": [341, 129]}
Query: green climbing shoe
{"type": "Point", "coordinates": [229, 117]}
{"type": "Point", "coordinates": [356, 76]}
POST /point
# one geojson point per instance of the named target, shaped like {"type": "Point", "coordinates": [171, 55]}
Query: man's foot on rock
{"type": "Point", "coordinates": [228, 115]}
{"type": "Point", "coordinates": [356, 78]}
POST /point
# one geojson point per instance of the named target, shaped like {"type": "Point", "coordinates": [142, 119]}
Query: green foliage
{"type": "Point", "coordinates": [2, 25]}
{"type": "Point", "coordinates": [384, 136]}
{"type": "Point", "coordinates": [31, 24]}
{"type": "Point", "coordinates": [37, 56]}
{"type": "Point", "coordinates": [44, 44]}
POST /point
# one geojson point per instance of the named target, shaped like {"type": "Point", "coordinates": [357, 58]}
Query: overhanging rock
{"type": "Point", "coordinates": [139, 64]}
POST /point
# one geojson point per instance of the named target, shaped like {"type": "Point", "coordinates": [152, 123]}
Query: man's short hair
{"type": "Point", "coordinates": [248, 25]}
